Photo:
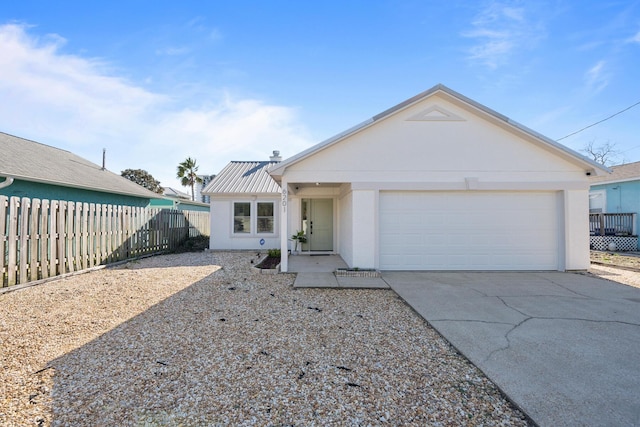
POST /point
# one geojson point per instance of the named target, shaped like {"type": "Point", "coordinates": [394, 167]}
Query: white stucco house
{"type": "Point", "coordinates": [244, 206]}
{"type": "Point", "coordinates": [438, 182]}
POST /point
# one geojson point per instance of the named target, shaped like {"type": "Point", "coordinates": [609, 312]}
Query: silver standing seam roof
{"type": "Point", "coordinates": [244, 178]}
{"type": "Point", "coordinates": [586, 162]}
{"type": "Point", "coordinates": [28, 160]}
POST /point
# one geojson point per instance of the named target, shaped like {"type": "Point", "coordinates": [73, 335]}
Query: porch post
{"type": "Point", "coordinates": [284, 229]}
{"type": "Point", "coordinates": [364, 228]}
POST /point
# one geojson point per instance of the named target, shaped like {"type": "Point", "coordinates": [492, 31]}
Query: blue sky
{"type": "Point", "coordinates": [155, 82]}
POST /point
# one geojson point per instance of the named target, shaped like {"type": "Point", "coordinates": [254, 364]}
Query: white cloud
{"type": "Point", "coordinates": [596, 77]}
{"type": "Point", "coordinates": [500, 29]}
{"type": "Point", "coordinates": [80, 104]}
{"type": "Point", "coordinates": [635, 39]}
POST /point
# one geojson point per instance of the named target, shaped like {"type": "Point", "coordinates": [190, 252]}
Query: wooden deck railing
{"type": "Point", "coordinates": [612, 224]}
{"type": "Point", "coordinates": [41, 238]}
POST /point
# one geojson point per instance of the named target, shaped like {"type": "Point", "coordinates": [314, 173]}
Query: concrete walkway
{"type": "Point", "coordinates": [317, 271]}
{"type": "Point", "coordinates": [564, 347]}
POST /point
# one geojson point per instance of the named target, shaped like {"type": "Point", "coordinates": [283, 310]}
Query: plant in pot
{"type": "Point", "coordinates": [299, 237]}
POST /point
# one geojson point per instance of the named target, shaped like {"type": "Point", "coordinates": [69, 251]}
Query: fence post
{"type": "Point", "coordinates": [13, 241]}
{"type": "Point", "coordinates": [91, 239]}
{"type": "Point", "coordinates": [23, 249]}
{"type": "Point", "coordinates": [44, 238]}
{"type": "Point", "coordinates": [34, 236]}
{"type": "Point", "coordinates": [602, 224]}
{"type": "Point", "coordinates": [4, 246]}
{"type": "Point", "coordinates": [84, 239]}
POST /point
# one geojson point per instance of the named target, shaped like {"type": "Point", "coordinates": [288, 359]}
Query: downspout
{"type": "Point", "coordinates": [7, 182]}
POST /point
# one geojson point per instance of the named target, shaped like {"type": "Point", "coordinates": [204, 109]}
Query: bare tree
{"type": "Point", "coordinates": [606, 153]}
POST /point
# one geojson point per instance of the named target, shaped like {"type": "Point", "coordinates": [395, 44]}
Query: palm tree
{"type": "Point", "coordinates": [187, 174]}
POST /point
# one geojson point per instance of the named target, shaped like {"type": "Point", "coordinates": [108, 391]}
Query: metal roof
{"type": "Point", "coordinates": [244, 177]}
{"type": "Point", "coordinates": [32, 161]}
{"type": "Point", "coordinates": [176, 194]}
{"type": "Point", "coordinates": [598, 168]}
{"type": "Point", "coordinates": [620, 173]}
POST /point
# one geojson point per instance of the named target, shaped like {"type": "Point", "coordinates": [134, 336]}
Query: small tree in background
{"type": "Point", "coordinates": [143, 178]}
{"type": "Point", "coordinates": [187, 172]}
{"type": "Point", "coordinates": [606, 153]}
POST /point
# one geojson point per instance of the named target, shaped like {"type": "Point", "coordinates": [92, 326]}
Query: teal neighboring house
{"type": "Point", "coordinates": [614, 204]}
{"type": "Point", "coordinates": [38, 171]}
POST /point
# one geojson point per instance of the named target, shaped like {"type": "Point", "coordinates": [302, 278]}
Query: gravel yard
{"type": "Point", "coordinates": [629, 274]}
{"type": "Point", "coordinates": [197, 339]}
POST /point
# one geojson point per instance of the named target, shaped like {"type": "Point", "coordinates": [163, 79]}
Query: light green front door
{"type": "Point", "coordinates": [318, 224]}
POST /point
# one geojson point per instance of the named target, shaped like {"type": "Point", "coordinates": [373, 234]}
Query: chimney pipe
{"type": "Point", "coordinates": [104, 158]}
{"type": "Point", "coordinates": [276, 156]}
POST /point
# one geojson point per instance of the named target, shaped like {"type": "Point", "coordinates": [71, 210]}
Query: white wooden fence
{"type": "Point", "coordinates": [41, 238]}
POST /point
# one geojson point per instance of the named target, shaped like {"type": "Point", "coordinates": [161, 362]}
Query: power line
{"type": "Point", "coordinates": [598, 122]}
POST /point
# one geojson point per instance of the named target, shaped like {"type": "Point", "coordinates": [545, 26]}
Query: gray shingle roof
{"type": "Point", "coordinates": [628, 172]}
{"type": "Point", "coordinates": [32, 161]}
{"type": "Point", "coordinates": [243, 177]}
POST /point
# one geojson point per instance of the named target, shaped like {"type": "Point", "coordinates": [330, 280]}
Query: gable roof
{"type": "Point", "coordinates": [28, 160]}
{"type": "Point", "coordinates": [244, 177]}
{"type": "Point", "coordinates": [176, 194]}
{"type": "Point", "coordinates": [558, 148]}
{"type": "Point", "coordinates": [620, 173]}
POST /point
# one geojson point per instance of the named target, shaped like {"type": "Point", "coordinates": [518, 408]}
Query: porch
{"type": "Point", "coordinates": [613, 231]}
{"type": "Point", "coordinates": [315, 263]}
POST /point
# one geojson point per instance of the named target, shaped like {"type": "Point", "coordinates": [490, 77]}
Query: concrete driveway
{"type": "Point", "coordinates": [564, 347]}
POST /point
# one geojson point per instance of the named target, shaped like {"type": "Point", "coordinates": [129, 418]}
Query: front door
{"type": "Point", "coordinates": [318, 224]}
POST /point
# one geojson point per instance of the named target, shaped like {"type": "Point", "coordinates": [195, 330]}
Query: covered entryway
{"type": "Point", "coordinates": [468, 230]}
{"type": "Point", "coordinates": [317, 224]}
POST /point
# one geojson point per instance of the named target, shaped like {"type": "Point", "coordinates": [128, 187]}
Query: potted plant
{"type": "Point", "coordinates": [299, 237]}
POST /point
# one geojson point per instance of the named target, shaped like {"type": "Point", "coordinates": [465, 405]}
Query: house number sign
{"type": "Point", "coordinates": [284, 199]}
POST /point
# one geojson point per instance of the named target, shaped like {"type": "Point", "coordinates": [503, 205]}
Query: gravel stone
{"type": "Point", "coordinates": [196, 339]}
{"type": "Point", "coordinates": [619, 267]}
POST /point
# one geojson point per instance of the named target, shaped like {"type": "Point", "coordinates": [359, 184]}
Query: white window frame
{"type": "Point", "coordinates": [273, 218]}
{"type": "Point", "coordinates": [253, 221]}
{"type": "Point", "coordinates": [233, 218]}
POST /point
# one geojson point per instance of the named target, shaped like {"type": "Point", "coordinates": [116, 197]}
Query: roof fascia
{"type": "Point", "coordinates": [589, 164]}
{"type": "Point", "coordinates": [247, 194]}
{"type": "Point", "coordinates": [99, 190]}
{"type": "Point", "coordinates": [615, 181]}
{"type": "Point", "coordinates": [554, 145]}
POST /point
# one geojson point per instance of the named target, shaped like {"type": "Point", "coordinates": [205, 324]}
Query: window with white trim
{"type": "Point", "coordinates": [265, 220]}
{"type": "Point", "coordinates": [252, 218]}
{"type": "Point", "coordinates": [242, 217]}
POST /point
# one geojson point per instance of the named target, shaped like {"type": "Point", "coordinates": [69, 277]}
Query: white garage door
{"type": "Point", "coordinates": [472, 230]}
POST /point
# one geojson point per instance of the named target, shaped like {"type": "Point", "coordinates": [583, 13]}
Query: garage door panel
{"type": "Point", "coordinates": [468, 231]}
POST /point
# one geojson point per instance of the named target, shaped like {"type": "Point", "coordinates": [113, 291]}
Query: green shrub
{"type": "Point", "coordinates": [274, 253]}
{"type": "Point", "coordinates": [193, 244]}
